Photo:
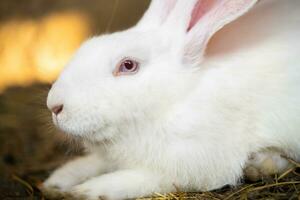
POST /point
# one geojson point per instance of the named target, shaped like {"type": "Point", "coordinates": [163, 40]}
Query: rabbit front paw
{"type": "Point", "coordinates": [119, 185]}
{"type": "Point", "coordinates": [53, 192]}
{"type": "Point", "coordinates": [57, 187]}
{"type": "Point", "coordinates": [90, 191]}
{"type": "Point", "coordinates": [60, 183]}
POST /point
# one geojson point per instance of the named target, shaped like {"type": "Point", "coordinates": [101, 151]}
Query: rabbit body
{"type": "Point", "coordinates": [188, 128]}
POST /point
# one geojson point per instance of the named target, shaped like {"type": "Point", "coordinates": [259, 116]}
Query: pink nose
{"type": "Point", "coordinates": [57, 109]}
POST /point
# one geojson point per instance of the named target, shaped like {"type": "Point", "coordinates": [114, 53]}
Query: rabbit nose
{"type": "Point", "coordinates": [57, 109]}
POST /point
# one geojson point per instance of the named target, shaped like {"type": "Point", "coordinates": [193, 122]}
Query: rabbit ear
{"type": "Point", "coordinates": [156, 14]}
{"type": "Point", "coordinates": [206, 17]}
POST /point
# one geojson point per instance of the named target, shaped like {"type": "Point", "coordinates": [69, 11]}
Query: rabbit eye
{"type": "Point", "coordinates": [126, 67]}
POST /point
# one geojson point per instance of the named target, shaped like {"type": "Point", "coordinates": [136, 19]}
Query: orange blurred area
{"type": "Point", "coordinates": [36, 50]}
{"type": "Point", "coordinates": [38, 37]}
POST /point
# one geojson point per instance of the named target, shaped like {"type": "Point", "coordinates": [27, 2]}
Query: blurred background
{"type": "Point", "coordinates": [37, 38]}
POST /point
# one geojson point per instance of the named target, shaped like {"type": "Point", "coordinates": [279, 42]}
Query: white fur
{"type": "Point", "coordinates": [177, 125]}
{"type": "Point", "coordinates": [265, 163]}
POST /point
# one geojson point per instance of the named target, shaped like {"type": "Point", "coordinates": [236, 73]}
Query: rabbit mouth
{"type": "Point", "coordinates": [84, 132]}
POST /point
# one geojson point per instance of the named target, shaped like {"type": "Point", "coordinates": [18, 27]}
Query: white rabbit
{"type": "Point", "coordinates": [158, 110]}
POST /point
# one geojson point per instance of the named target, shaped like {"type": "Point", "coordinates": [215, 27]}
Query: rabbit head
{"type": "Point", "coordinates": [134, 78]}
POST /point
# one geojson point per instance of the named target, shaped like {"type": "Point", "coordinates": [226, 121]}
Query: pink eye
{"type": "Point", "coordinates": [126, 67]}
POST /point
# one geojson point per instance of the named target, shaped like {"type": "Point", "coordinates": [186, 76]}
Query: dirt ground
{"type": "Point", "coordinates": [29, 145]}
